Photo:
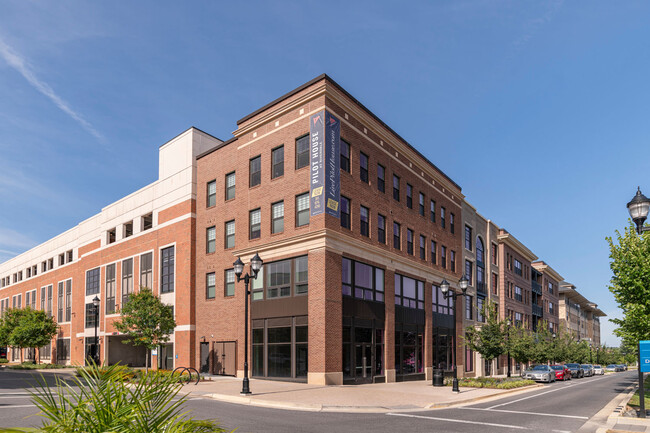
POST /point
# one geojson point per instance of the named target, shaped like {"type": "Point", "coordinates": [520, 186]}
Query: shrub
{"type": "Point", "coordinates": [31, 366]}
{"type": "Point", "coordinates": [101, 400]}
{"type": "Point", "coordinates": [3, 360]}
{"type": "Point", "coordinates": [490, 382]}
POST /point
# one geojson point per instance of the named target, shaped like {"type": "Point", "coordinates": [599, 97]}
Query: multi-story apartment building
{"type": "Point", "coordinates": [347, 295]}
{"type": "Point", "coordinates": [144, 239]}
{"type": "Point", "coordinates": [578, 315]}
{"type": "Point", "coordinates": [549, 281]}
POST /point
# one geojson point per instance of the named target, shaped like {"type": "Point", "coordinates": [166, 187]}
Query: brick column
{"type": "Point", "coordinates": [428, 331]}
{"type": "Point", "coordinates": [389, 331]}
{"type": "Point", "coordinates": [325, 318]}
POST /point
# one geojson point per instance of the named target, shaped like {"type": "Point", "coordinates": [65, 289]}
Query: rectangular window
{"type": "Point", "coordinates": [302, 209]}
{"type": "Point", "coordinates": [127, 280]}
{"type": "Point", "coordinates": [381, 228]}
{"type": "Point", "coordinates": [469, 359]}
{"type": "Point", "coordinates": [230, 186]}
{"type": "Point", "coordinates": [452, 261]}
{"type": "Point", "coordinates": [381, 178]}
{"type": "Point", "coordinates": [423, 247]}
{"type": "Point", "coordinates": [167, 270]}
{"type": "Point", "coordinates": [550, 288]}
{"type": "Point", "coordinates": [17, 301]}
{"type": "Point", "coordinates": [432, 208]}
{"type": "Point", "coordinates": [495, 284]}
{"type": "Point", "coordinates": [91, 315]}
{"type": "Point", "coordinates": [442, 217]}
{"type": "Point", "coordinates": [229, 283]}
{"type": "Point", "coordinates": [229, 235]}
{"type": "Point", "coordinates": [345, 155]}
{"type": "Point", "coordinates": [43, 297]}
{"type": "Point", "coordinates": [92, 282]}
{"type": "Point", "coordinates": [452, 225]}
{"type": "Point", "coordinates": [301, 274]}
{"type": "Point", "coordinates": [59, 301]}
{"type": "Point", "coordinates": [468, 307]}
{"type": "Point", "coordinates": [277, 162]}
{"type": "Point", "coordinates": [409, 241]}
{"type": "Point", "coordinates": [210, 239]}
{"type": "Point", "coordinates": [434, 252]}
{"type": "Point", "coordinates": [480, 302]}
{"type": "Point", "coordinates": [345, 212]}
{"type": "Point", "coordinates": [111, 238]}
{"type": "Point", "coordinates": [49, 300]}
{"type": "Point", "coordinates": [518, 268]}
{"type": "Point", "coordinates": [396, 187]}
{"type": "Point", "coordinates": [468, 271]}
{"type": "Point", "coordinates": [257, 286]}
{"type": "Point", "coordinates": [128, 231]}
{"type": "Point", "coordinates": [363, 167]}
{"type": "Point", "coordinates": [110, 289]}
{"type": "Point", "coordinates": [494, 254]}
{"type": "Point", "coordinates": [255, 224]}
{"type": "Point", "coordinates": [409, 196]}
{"type": "Point", "coordinates": [468, 238]}
{"type": "Point", "coordinates": [443, 256]}
{"type": "Point", "coordinates": [255, 171]}
{"type": "Point", "coordinates": [63, 349]}
{"type": "Point", "coordinates": [362, 281]}
{"type": "Point", "coordinates": [302, 152]}
{"type": "Point", "coordinates": [397, 236]}
{"type": "Point", "coordinates": [364, 219]}
{"type": "Point", "coordinates": [210, 286]}
{"type": "Point", "coordinates": [211, 193]}
{"type": "Point", "coordinates": [278, 279]}
{"type": "Point", "coordinates": [277, 217]}
{"type": "Point", "coordinates": [146, 270]}
{"type": "Point", "coordinates": [409, 292]}
{"type": "Point", "coordinates": [147, 221]}
{"type": "Point", "coordinates": [421, 204]}
{"type": "Point", "coordinates": [518, 294]}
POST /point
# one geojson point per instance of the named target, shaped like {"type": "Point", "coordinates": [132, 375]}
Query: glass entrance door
{"type": "Point", "coordinates": [363, 361]}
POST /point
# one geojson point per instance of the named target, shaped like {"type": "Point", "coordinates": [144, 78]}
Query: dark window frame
{"type": "Point", "coordinates": [254, 229]}
{"type": "Point", "coordinates": [345, 159]}
{"type": "Point", "coordinates": [230, 190]}
{"type": "Point", "coordinates": [167, 269]}
{"type": "Point", "coordinates": [364, 226]}
{"type": "Point", "coordinates": [277, 167]}
{"type": "Point", "coordinates": [346, 213]}
{"type": "Point", "coordinates": [381, 228]}
{"type": "Point", "coordinates": [363, 171]}
{"type": "Point", "coordinates": [381, 178]}
{"type": "Point", "coordinates": [302, 158]}
{"type": "Point", "coordinates": [254, 176]}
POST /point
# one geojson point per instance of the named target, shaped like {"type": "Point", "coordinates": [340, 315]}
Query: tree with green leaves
{"type": "Point", "coordinates": [630, 284]}
{"type": "Point", "coordinates": [488, 338]}
{"type": "Point", "coordinates": [542, 351]}
{"type": "Point", "coordinates": [519, 343]}
{"type": "Point", "coordinates": [146, 321]}
{"type": "Point", "coordinates": [26, 328]}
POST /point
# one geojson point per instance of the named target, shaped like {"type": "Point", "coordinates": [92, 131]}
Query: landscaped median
{"type": "Point", "coordinates": [491, 382]}
{"type": "Point", "coordinates": [32, 366]}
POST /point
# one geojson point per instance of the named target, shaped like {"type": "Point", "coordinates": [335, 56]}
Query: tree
{"type": "Point", "coordinates": [520, 341]}
{"type": "Point", "coordinates": [146, 321]}
{"type": "Point", "coordinates": [487, 339]}
{"type": "Point", "coordinates": [630, 284]}
{"type": "Point", "coordinates": [542, 350]}
{"type": "Point", "coordinates": [26, 328]}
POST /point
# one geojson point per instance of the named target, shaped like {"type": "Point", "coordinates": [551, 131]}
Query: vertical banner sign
{"type": "Point", "coordinates": [325, 175]}
{"type": "Point", "coordinates": [644, 354]}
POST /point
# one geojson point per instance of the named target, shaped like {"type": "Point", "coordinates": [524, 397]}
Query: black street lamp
{"type": "Point", "coordinates": [444, 287]}
{"type": "Point", "coordinates": [508, 323]}
{"type": "Point", "coordinates": [95, 354]}
{"type": "Point", "coordinates": [638, 208]}
{"type": "Point", "coordinates": [256, 265]}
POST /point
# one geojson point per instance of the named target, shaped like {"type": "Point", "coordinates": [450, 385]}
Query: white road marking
{"type": "Point", "coordinates": [523, 412]}
{"type": "Point", "coordinates": [562, 431]}
{"type": "Point", "coordinates": [560, 388]}
{"type": "Point", "coordinates": [18, 396]}
{"type": "Point", "coordinates": [19, 405]}
{"type": "Point", "coordinates": [459, 421]}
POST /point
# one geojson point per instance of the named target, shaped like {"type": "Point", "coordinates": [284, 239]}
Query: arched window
{"type": "Point", "coordinates": [479, 250]}
{"type": "Point", "coordinates": [480, 271]}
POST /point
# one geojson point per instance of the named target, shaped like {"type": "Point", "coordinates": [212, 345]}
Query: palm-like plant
{"type": "Point", "coordinates": [101, 400]}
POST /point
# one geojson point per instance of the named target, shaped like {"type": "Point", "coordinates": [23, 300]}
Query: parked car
{"type": "Point", "coordinates": [576, 370]}
{"type": "Point", "coordinates": [624, 367]}
{"type": "Point", "coordinates": [599, 370]}
{"type": "Point", "coordinates": [589, 369]}
{"type": "Point", "coordinates": [611, 367]}
{"type": "Point", "coordinates": [561, 372]}
{"type": "Point", "coordinates": [539, 373]}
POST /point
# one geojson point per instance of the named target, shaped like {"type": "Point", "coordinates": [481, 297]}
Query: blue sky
{"type": "Point", "coordinates": [539, 110]}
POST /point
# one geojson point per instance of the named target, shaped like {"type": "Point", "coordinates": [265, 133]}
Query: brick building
{"type": "Point", "coordinates": [579, 315]}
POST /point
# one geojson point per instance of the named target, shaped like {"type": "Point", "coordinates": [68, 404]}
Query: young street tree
{"type": "Point", "coordinates": [630, 284]}
{"type": "Point", "coordinates": [26, 328]}
{"type": "Point", "coordinates": [146, 321]}
{"type": "Point", "coordinates": [520, 341]}
{"type": "Point", "coordinates": [487, 339]}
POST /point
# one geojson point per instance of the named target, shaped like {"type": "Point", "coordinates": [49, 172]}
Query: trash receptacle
{"type": "Point", "coordinates": [438, 377]}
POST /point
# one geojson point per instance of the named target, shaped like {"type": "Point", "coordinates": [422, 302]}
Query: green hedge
{"type": "Point", "coordinates": [491, 382]}
{"type": "Point", "coordinates": [3, 360]}
{"type": "Point", "coordinates": [32, 366]}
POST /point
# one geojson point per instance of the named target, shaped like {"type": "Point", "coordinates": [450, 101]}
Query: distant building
{"type": "Point", "coordinates": [579, 315]}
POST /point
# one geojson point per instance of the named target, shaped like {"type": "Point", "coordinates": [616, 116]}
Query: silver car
{"type": "Point", "coordinates": [589, 369]}
{"type": "Point", "coordinates": [539, 373]}
{"type": "Point", "coordinates": [599, 370]}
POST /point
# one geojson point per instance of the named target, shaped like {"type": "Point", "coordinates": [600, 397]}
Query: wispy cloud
{"type": "Point", "coordinates": [16, 61]}
{"type": "Point", "coordinates": [14, 240]}
{"type": "Point", "coordinates": [533, 26]}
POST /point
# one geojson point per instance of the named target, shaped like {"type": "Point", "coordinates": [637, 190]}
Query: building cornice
{"type": "Point", "coordinates": [546, 269]}
{"type": "Point", "coordinates": [513, 243]}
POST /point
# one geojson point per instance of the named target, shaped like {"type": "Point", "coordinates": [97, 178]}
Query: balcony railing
{"type": "Point", "coordinates": [537, 288]}
{"type": "Point", "coordinates": [537, 310]}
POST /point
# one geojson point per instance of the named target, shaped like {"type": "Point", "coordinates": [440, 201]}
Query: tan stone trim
{"type": "Point", "coordinates": [333, 378]}
{"type": "Point", "coordinates": [513, 243]}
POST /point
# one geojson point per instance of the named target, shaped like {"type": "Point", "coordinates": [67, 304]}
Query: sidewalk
{"type": "Point", "coordinates": [379, 397]}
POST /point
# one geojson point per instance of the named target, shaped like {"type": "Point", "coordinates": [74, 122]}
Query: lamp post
{"type": "Point", "coordinates": [95, 355]}
{"type": "Point", "coordinates": [554, 348]}
{"type": "Point", "coordinates": [638, 208]}
{"type": "Point", "coordinates": [508, 323]}
{"type": "Point", "coordinates": [444, 287]}
{"type": "Point", "coordinates": [256, 265]}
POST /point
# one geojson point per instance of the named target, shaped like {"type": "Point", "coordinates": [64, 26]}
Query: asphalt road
{"type": "Point", "coordinates": [559, 407]}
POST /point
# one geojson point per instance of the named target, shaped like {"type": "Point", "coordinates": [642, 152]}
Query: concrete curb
{"type": "Point", "coordinates": [610, 411]}
{"type": "Point", "coordinates": [250, 401]}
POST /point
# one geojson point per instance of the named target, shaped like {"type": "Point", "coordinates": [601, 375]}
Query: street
{"type": "Point", "coordinates": [558, 407]}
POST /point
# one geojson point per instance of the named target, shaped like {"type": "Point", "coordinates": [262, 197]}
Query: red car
{"type": "Point", "coordinates": [561, 372]}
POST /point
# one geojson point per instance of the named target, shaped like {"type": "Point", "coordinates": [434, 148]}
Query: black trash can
{"type": "Point", "coordinates": [438, 377]}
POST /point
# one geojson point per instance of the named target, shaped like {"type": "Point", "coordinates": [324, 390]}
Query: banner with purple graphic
{"type": "Point", "coordinates": [325, 175]}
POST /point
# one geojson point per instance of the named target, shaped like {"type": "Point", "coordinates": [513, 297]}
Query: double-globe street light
{"type": "Point", "coordinates": [638, 208]}
{"type": "Point", "coordinates": [256, 265]}
{"type": "Point", "coordinates": [444, 287]}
